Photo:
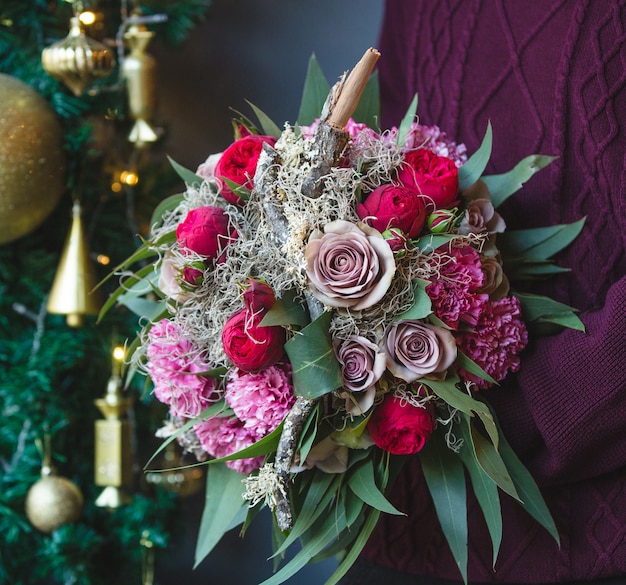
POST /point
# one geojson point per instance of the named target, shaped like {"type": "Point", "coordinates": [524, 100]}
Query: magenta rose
{"type": "Point", "coordinates": [415, 349]}
{"type": "Point", "coordinates": [436, 177]}
{"type": "Point", "coordinates": [400, 427]}
{"type": "Point", "coordinates": [394, 206]}
{"type": "Point", "coordinates": [349, 265]}
{"type": "Point", "coordinates": [205, 231]}
{"type": "Point", "coordinates": [238, 164]}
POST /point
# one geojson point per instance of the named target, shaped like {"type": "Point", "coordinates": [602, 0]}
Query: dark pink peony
{"type": "Point", "coordinates": [205, 231]}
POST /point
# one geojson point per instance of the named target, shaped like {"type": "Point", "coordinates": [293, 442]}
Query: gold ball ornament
{"type": "Point", "coordinates": [53, 501]}
{"type": "Point", "coordinates": [32, 161]}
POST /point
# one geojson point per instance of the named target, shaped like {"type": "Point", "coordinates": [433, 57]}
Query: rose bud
{"type": "Point", "coordinates": [436, 177]}
{"type": "Point", "coordinates": [349, 265]}
{"type": "Point", "coordinates": [396, 239]}
{"type": "Point", "coordinates": [394, 206]}
{"type": "Point", "coordinates": [415, 349]}
{"type": "Point", "coordinates": [399, 427]}
{"type": "Point", "coordinates": [206, 231]}
{"type": "Point", "coordinates": [258, 297]}
{"type": "Point", "coordinates": [441, 221]}
{"type": "Point", "coordinates": [238, 164]}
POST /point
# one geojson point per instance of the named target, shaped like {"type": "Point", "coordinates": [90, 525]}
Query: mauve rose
{"type": "Point", "coordinates": [349, 265]}
{"type": "Point", "coordinates": [480, 216]}
{"type": "Point", "coordinates": [205, 231]}
{"type": "Point", "coordinates": [496, 284]}
{"type": "Point", "coordinates": [415, 349]}
{"type": "Point", "coordinates": [238, 164]}
{"type": "Point", "coordinates": [399, 427]}
{"type": "Point", "coordinates": [436, 177]}
{"type": "Point", "coordinates": [394, 206]}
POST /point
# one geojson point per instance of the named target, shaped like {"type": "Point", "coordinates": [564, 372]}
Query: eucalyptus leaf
{"type": "Point", "coordinates": [315, 370]}
{"type": "Point", "coordinates": [314, 94]}
{"type": "Point", "coordinates": [223, 503]}
{"type": "Point", "coordinates": [363, 484]}
{"type": "Point", "coordinates": [542, 308]}
{"type": "Point", "coordinates": [422, 305]}
{"type": "Point", "coordinates": [430, 242]}
{"type": "Point", "coordinates": [501, 187]}
{"type": "Point", "coordinates": [472, 170]}
{"type": "Point", "coordinates": [368, 108]}
{"type": "Point", "coordinates": [287, 310]}
{"type": "Point", "coordinates": [472, 367]}
{"type": "Point", "coordinates": [168, 204]}
{"type": "Point", "coordinates": [267, 124]}
{"type": "Point", "coordinates": [141, 307]}
{"type": "Point", "coordinates": [240, 190]}
{"type": "Point", "coordinates": [407, 121]}
{"type": "Point", "coordinates": [443, 471]}
{"type": "Point", "coordinates": [189, 177]}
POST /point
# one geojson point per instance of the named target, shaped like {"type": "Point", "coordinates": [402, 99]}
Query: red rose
{"type": "Point", "coordinates": [205, 231]}
{"type": "Point", "coordinates": [394, 206]}
{"type": "Point", "coordinates": [400, 427]}
{"type": "Point", "coordinates": [247, 344]}
{"type": "Point", "coordinates": [434, 176]}
{"type": "Point", "coordinates": [238, 164]}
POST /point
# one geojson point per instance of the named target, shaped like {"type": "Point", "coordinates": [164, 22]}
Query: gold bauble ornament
{"type": "Point", "coordinates": [77, 60]}
{"type": "Point", "coordinates": [32, 162]}
{"type": "Point", "coordinates": [53, 501]}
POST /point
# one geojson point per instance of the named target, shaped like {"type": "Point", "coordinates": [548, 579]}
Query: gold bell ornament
{"type": "Point", "coordinates": [52, 500]}
{"type": "Point", "coordinates": [139, 73]}
{"type": "Point", "coordinates": [77, 60]}
{"type": "Point", "coordinates": [75, 279]}
{"type": "Point", "coordinates": [113, 444]}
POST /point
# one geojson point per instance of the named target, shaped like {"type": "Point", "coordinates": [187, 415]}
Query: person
{"type": "Point", "coordinates": [550, 75]}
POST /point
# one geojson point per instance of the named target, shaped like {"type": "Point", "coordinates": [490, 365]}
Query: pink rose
{"type": "Point", "coordinates": [349, 265]}
{"type": "Point", "coordinates": [400, 427]}
{"type": "Point", "coordinates": [394, 206]}
{"type": "Point", "coordinates": [238, 164]}
{"type": "Point", "coordinates": [206, 231]}
{"type": "Point", "coordinates": [207, 169]}
{"type": "Point", "coordinates": [415, 349]}
{"type": "Point", "coordinates": [436, 177]}
{"type": "Point", "coordinates": [247, 344]}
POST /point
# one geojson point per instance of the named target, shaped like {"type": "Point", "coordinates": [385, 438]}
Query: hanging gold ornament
{"type": "Point", "coordinates": [52, 500]}
{"type": "Point", "coordinates": [113, 454]}
{"type": "Point", "coordinates": [139, 72]}
{"type": "Point", "coordinates": [77, 60]}
{"type": "Point", "coordinates": [176, 476]}
{"type": "Point", "coordinates": [32, 162]}
{"type": "Point", "coordinates": [75, 279]}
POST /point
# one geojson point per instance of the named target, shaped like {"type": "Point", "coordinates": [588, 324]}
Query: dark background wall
{"type": "Point", "coordinates": [255, 50]}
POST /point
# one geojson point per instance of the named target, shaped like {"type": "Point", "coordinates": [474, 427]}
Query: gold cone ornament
{"type": "Point", "coordinates": [113, 445]}
{"type": "Point", "coordinates": [32, 161]}
{"type": "Point", "coordinates": [75, 279]}
{"type": "Point", "coordinates": [77, 60]}
{"type": "Point", "coordinates": [52, 500]}
{"type": "Point", "coordinates": [139, 73]}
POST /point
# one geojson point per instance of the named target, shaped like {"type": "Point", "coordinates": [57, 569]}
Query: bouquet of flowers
{"type": "Point", "coordinates": [333, 298]}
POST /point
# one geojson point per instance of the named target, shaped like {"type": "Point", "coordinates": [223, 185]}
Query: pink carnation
{"type": "Point", "coordinates": [174, 365]}
{"type": "Point", "coordinates": [262, 399]}
{"type": "Point", "coordinates": [223, 436]}
{"type": "Point", "coordinates": [453, 290]}
{"type": "Point", "coordinates": [496, 340]}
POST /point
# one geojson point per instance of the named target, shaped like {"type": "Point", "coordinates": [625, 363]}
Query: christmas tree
{"type": "Point", "coordinates": [75, 157]}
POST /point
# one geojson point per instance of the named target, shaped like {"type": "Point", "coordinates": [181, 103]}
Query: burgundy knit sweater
{"type": "Point", "coordinates": [551, 77]}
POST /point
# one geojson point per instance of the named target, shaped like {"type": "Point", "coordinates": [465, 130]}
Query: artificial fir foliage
{"type": "Point", "coordinates": [50, 373]}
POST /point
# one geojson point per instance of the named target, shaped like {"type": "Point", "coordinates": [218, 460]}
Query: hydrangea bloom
{"type": "Point", "coordinates": [453, 291]}
{"type": "Point", "coordinates": [262, 399]}
{"type": "Point", "coordinates": [174, 365]}
{"type": "Point", "coordinates": [222, 436]}
{"type": "Point", "coordinates": [496, 340]}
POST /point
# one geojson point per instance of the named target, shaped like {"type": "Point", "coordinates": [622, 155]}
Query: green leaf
{"type": "Point", "coordinates": [431, 242]}
{"type": "Point", "coordinates": [189, 177]}
{"type": "Point", "coordinates": [363, 484]}
{"type": "Point", "coordinates": [223, 502]}
{"type": "Point", "coordinates": [405, 124]}
{"type": "Point", "coordinates": [263, 446]}
{"type": "Point", "coordinates": [242, 192]}
{"type": "Point", "coordinates": [484, 488]}
{"type": "Point", "coordinates": [267, 124]}
{"type": "Point", "coordinates": [472, 170]}
{"type": "Point", "coordinates": [472, 367]}
{"type": "Point", "coordinates": [501, 187]}
{"type": "Point", "coordinates": [544, 309]}
{"type": "Point", "coordinates": [168, 204]}
{"type": "Point", "coordinates": [314, 94]}
{"type": "Point", "coordinates": [445, 479]}
{"type": "Point", "coordinates": [315, 369]}
{"type": "Point", "coordinates": [422, 305]}
{"type": "Point", "coordinates": [287, 310]}
{"type": "Point", "coordinates": [368, 109]}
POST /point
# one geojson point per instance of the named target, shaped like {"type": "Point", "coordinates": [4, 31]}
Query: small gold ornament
{"type": "Point", "coordinates": [138, 70]}
{"type": "Point", "coordinates": [52, 500]}
{"type": "Point", "coordinates": [75, 279]}
{"type": "Point", "coordinates": [77, 60]}
{"type": "Point", "coordinates": [32, 162]}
